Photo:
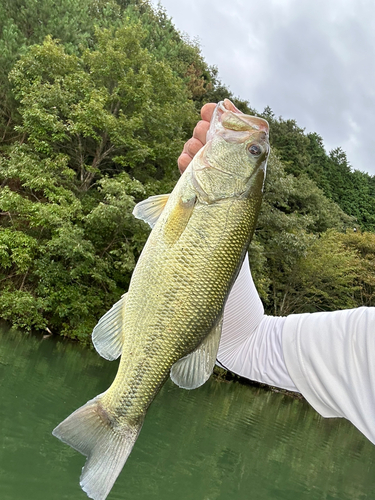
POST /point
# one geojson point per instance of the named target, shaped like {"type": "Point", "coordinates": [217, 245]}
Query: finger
{"type": "Point", "coordinates": [192, 146]}
{"type": "Point", "coordinates": [200, 131]}
{"type": "Point", "coordinates": [183, 161]}
{"type": "Point", "coordinates": [207, 111]}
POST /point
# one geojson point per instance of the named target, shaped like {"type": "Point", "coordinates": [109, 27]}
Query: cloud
{"type": "Point", "coordinates": [311, 60]}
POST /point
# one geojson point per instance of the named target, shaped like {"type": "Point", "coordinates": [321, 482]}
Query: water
{"type": "Point", "coordinates": [223, 441]}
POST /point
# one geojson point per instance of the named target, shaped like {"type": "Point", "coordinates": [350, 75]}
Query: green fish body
{"type": "Point", "coordinates": [169, 322]}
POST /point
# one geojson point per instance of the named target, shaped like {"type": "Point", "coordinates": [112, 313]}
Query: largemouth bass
{"type": "Point", "coordinates": [169, 322]}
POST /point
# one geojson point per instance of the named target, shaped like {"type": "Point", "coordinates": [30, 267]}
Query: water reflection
{"type": "Point", "coordinates": [221, 441]}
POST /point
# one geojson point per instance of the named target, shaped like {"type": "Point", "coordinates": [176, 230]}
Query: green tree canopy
{"type": "Point", "coordinates": [97, 98]}
{"type": "Point", "coordinates": [91, 125]}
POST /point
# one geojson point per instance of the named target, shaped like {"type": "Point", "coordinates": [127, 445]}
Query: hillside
{"type": "Point", "coordinates": [96, 102]}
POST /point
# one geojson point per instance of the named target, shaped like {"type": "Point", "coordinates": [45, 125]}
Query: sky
{"type": "Point", "coordinates": [309, 60]}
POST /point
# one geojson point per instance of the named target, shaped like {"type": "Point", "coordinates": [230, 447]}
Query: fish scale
{"type": "Point", "coordinates": [211, 276]}
{"type": "Point", "coordinates": [169, 322]}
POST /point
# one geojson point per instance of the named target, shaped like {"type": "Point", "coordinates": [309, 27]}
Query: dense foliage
{"type": "Point", "coordinates": [353, 191]}
{"type": "Point", "coordinates": [96, 100]}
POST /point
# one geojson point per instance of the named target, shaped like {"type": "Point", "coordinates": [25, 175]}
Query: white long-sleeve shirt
{"type": "Point", "coordinates": [328, 357]}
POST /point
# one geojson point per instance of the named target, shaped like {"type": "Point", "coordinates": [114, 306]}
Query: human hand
{"type": "Point", "coordinates": [193, 145]}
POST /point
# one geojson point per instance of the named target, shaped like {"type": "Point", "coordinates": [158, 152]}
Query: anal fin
{"type": "Point", "coordinates": [195, 369]}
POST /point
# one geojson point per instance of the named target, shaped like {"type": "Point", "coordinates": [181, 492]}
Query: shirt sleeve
{"type": "Point", "coordinates": [331, 359]}
{"type": "Point", "coordinates": [251, 342]}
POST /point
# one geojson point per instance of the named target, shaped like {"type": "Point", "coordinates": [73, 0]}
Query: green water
{"type": "Point", "coordinates": [223, 441]}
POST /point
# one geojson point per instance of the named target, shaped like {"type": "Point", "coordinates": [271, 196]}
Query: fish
{"type": "Point", "coordinates": [169, 322]}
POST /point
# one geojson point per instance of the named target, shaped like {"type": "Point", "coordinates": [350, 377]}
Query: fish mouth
{"type": "Point", "coordinates": [235, 126]}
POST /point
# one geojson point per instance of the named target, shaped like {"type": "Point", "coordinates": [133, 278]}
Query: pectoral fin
{"type": "Point", "coordinates": [107, 336]}
{"type": "Point", "coordinates": [179, 217]}
{"type": "Point", "coordinates": [195, 369]}
{"type": "Point", "coordinates": [149, 210]}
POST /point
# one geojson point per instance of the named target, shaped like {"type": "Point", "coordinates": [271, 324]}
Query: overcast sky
{"type": "Point", "coordinates": [311, 60]}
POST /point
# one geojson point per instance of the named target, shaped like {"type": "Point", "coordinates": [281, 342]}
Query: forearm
{"type": "Point", "coordinates": [328, 357]}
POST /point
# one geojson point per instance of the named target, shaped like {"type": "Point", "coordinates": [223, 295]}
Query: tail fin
{"type": "Point", "coordinates": [90, 431]}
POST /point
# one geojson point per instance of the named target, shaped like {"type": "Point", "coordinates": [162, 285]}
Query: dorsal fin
{"type": "Point", "coordinates": [149, 210]}
{"type": "Point", "coordinates": [195, 369]}
{"type": "Point", "coordinates": [107, 336]}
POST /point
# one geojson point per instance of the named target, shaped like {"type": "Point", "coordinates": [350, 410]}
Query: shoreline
{"type": "Point", "coordinates": [222, 375]}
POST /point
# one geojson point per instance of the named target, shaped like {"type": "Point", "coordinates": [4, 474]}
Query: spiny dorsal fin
{"type": "Point", "coordinates": [195, 369]}
{"type": "Point", "coordinates": [149, 210]}
{"type": "Point", "coordinates": [107, 336]}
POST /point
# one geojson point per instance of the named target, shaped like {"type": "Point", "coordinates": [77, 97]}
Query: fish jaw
{"type": "Point", "coordinates": [226, 115]}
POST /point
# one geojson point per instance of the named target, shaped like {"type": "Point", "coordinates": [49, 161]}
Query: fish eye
{"type": "Point", "coordinates": [254, 149]}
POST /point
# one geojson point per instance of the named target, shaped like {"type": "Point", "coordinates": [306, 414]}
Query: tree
{"type": "Point", "coordinates": [364, 245]}
{"type": "Point", "coordinates": [26, 22]}
{"type": "Point", "coordinates": [111, 109]}
{"type": "Point", "coordinates": [294, 212]}
{"type": "Point", "coordinates": [90, 126]}
{"type": "Point", "coordinates": [73, 23]}
{"type": "Point", "coordinates": [324, 279]}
